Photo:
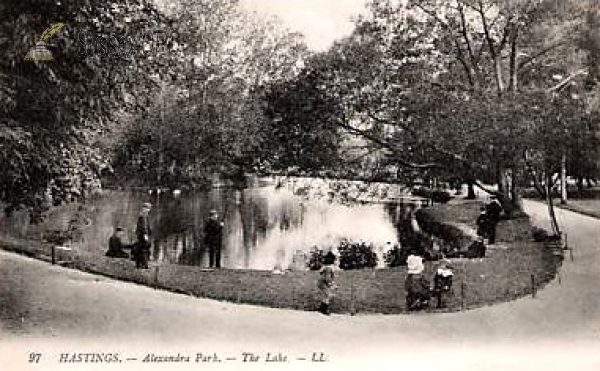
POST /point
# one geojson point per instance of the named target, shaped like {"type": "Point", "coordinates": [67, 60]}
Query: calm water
{"type": "Point", "coordinates": [265, 227]}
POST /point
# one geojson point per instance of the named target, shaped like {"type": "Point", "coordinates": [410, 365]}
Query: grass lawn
{"type": "Point", "coordinates": [586, 202]}
{"type": "Point", "coordinates": [589, 207]}
{"type": "Point", "coordinates": [504, 274]}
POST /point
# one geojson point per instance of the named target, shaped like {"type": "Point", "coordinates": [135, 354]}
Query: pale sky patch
{"type": "Point", "coordinates": [321, 21]}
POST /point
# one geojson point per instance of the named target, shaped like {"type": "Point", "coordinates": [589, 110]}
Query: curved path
{"type": "Point", "coordinates": [54, 310]}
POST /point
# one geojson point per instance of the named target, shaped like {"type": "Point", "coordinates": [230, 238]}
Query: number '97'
{"type": "Point", "coordinates": [35, 357]}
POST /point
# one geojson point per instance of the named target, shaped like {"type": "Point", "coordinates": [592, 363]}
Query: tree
{"type": "Point", "coordinates": [301, 134]}
{"type": "Point", "coordinates": [54, 113]}
{"type": "Point", "coordinates": [437, 83]}
{"type": "Point", "coordinates": [215, 121]}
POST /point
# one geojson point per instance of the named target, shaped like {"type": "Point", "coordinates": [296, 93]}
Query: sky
{"type": "Point", "coordinates": [321, 21]}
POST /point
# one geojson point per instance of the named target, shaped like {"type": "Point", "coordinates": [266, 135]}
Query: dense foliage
{"type": "Point", "coordinates": [461, 91]}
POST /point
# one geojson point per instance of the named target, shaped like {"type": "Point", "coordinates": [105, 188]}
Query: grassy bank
{"type": "Point", "coordinates": [504, 274]}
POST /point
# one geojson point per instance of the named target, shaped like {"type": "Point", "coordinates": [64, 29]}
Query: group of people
{"type": "Point", "coordinates": [419, 289]}
{"type": "Point", "coordinates": [140, 249]}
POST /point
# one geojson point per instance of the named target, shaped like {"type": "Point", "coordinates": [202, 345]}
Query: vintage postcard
{"type": "Point", "coordinates": [299, 185]}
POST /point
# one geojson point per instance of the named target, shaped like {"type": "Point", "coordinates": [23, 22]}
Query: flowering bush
{"type": "Point", "coordinates": [356, 255]}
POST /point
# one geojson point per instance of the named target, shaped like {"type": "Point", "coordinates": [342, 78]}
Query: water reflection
{"type": "Point", "coordinates": [264, 227]}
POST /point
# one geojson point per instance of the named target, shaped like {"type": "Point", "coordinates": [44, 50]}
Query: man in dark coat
{"type": "Point", "coordinates": [116, 246]}
{"type": "Point", "coordinates": [213, 237]}
{"type": "Point", "coordinates": [141, 251]}
{"type": "Point", "coordinates": [493, 210]}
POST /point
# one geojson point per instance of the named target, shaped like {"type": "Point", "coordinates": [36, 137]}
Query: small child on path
{"type": "Point", "coordinates": [442, 281]}
{"type": "Point", "coordinates": [326, 283]}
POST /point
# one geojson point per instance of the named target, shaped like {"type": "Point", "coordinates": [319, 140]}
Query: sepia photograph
{"type": "Point", "coordinates": [300, 185]}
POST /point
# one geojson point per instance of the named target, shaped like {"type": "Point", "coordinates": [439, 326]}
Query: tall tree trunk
{"type": "Point", "coordinates": [498, 74]}
{"type": "Point", "coordinates": [551, 212]}
{"type": "Point", "coordinates": [563, 179]}
{"type": "Point", "coordinates": [513, 79]}
{"type": "Point", "coordinates": [515, 197]}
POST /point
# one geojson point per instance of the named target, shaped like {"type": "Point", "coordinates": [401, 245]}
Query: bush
{"type": "Point", "coordinates": [459, 239]}
{"type": "Point", "coordinates": [356, 255]}
{"type": "Point", "coordinates": [428, 222]}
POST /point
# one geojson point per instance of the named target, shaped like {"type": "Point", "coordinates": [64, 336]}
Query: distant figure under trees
{"type": "Point", "coordinates": [141, 250]}
{"type": "Point", "coordinates": [213, 238]}
{"type": "Point", "coordinates": [488, 220]}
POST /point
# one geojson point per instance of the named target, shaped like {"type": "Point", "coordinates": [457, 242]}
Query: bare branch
{"type": "Point", "coordinates": [565, 81]}
{"type": "Point", "coordinates": [387, 145]}
{"type": "Point", "coordinates": [464, 31]}
{"type": "Point", "coordinates": [542, 52]}
{"type": "Point", "coordinates": [460, 54]}
{"type": "Point", "coordinates": [431, 146]}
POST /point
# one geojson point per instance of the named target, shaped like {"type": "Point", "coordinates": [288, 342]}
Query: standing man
{"type": "Point", "coordinates": [493, 211]}
{"type": "Point", "coordinates": [141, 252]}
{"type": "Point", "coordinates": [213, 237]}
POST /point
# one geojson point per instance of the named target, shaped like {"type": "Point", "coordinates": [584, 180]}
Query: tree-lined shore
{"type": "Point", "coordinates": [450, 91]}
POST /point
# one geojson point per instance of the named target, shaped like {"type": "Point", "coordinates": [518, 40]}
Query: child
{"type": "Point", "coordinates": [442, 281]}
{"type": "Point", "coordinates": [326, 284]}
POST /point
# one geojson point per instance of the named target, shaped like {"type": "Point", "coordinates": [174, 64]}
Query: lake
{"type": "Point", "coordinates": [274, 224]}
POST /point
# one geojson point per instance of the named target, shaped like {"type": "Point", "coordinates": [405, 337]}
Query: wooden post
{"type": "Point", "coordinates": [532, 286]}
{"type": "Point", "coordinates": [571, 253]}
{"type": "Point", "coordinates": [352, 300]}
{"type": "Point", "coordinates": [462, 295]}
{"type": "Point", "coordinates": [53, 254]}
{"type": "Point", "coordinates": [156, 276]}
{"type": "Point", "coordinates": [563, 179]}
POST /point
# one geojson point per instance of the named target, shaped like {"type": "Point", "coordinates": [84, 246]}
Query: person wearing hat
{"type": "Point", "coordinates": [213, 237]}
{"type": "Point", "coordinates": [442, 281]}
{"type": "Point", "coordinates": [493, 210]}
{"type": "Point", "coordinates": [141, 252]}
{"type": "Point", "coordinates": [116, 246]}
{"type": "Point", "coordinates": [326, 283]}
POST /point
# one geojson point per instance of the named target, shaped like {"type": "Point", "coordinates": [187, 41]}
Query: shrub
{"type": "Point", "coordinates": [459, 240]}
{"type": "Point", "coordinates": [428, 222]}
{"type": "Point", "coordinates": [356, 255]}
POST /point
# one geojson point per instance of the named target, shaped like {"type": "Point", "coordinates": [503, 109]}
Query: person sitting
{"type": "Point", "coordinates": [116, 246]}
